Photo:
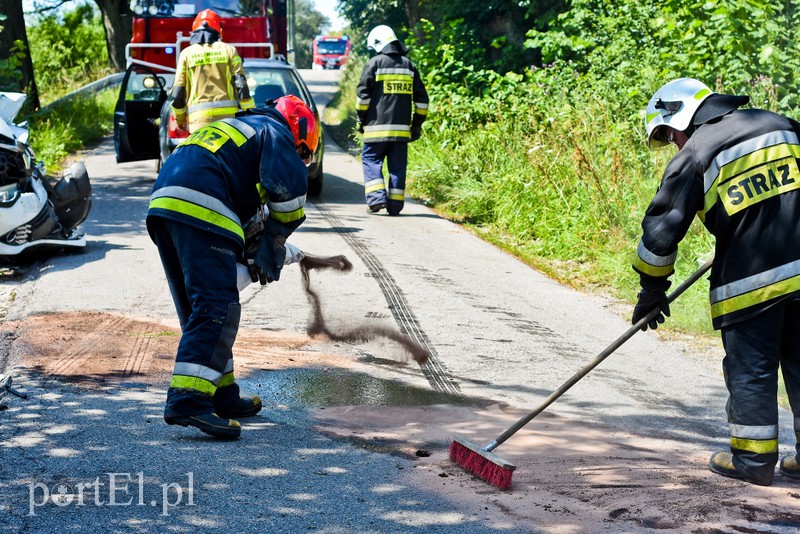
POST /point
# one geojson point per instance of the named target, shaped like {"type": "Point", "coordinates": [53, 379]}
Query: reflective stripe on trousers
{"type": "Point", "coordinates": [396, 155]}
{"type": "Point", "coordinates": [754, 350]}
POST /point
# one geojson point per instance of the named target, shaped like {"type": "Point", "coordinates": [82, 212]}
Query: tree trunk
{"type": "Point", "coordinates": [117, 24]}
{"type": "Point", "coordinates": [14, 30]}
{"type": "Point", "coordinates": [413, 13]}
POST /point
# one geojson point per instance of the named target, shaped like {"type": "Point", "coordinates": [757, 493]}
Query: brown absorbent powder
{"type": "Point", "coordinates": [359, 333]}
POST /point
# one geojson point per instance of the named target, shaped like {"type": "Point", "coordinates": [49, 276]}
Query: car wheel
{"type": "Point", "coordinates": [315, 183]}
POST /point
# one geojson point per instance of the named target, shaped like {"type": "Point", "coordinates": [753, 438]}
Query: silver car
{"type": "Point", "coordinates": [143, 123]}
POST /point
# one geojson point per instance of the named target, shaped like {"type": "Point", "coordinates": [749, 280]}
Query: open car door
{"type": "Point", "coordinates": [137, 113]}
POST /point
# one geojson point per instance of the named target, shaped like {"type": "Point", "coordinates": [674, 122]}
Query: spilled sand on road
{"type": "Point", "coordinates": [572, 476]}
{"type": "Point", "coordinates": [91, 348]}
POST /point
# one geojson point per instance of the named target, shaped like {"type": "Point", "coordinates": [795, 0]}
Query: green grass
{"type": "Point", "coordinates": [564, 190]}
{"type": "Point", "coordinates": [62, 129]}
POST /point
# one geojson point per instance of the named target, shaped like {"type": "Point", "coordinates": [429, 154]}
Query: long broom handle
{"type": "Point", "coordinates": [599, 358]}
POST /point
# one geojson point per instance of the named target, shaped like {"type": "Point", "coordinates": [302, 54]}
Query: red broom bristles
{"type": "Point", "coordinates": [481, 467]}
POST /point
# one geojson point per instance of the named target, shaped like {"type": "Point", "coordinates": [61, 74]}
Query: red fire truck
{"type": "Point", "coordinates": [330, 52]}
{"type": "Point", "coordinates": [161, 29]}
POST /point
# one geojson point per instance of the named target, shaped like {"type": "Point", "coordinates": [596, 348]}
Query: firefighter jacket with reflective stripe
{"type": "Point", "coordinates": [391, 98]}
{"type": "Point", "coordinates": [223, 174]}
{"type": "Point", "coordinates": [209, 84]}
{"type": "Point", "coordinates": [741, 176]}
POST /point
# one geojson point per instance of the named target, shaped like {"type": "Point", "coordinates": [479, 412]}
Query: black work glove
{"type": "Point", "coordinates": [415, 134]}
{"type": "Point", "coordinates": [360, 128]}
{"type": "Point", "coordinates": [252, 270]}
{"type": "Point", "coordinates": [269, 258]}
{"type": "Point", "coordinates": [650, 299]}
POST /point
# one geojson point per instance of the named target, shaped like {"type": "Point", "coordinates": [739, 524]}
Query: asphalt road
{"type": "Point", "coordinates": [495, 328]}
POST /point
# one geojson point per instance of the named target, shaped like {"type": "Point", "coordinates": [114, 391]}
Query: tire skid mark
{"type": "Point", "coordinates": [434, 370]}
{"type": "Point", "coordinates": [75, 357]}
{"type": "Point", "coordinates": [84, 346]}
{"type": "Point", "coordinates": [138, 353]}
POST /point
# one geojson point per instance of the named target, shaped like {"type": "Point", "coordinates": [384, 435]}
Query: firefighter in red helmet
{"type": "Point", "coordinates": [231, 193]}
{"type": "Point", "coordinates": [210, 83]}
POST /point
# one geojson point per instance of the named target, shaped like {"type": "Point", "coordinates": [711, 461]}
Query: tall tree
{"type": "Point", "coordinates": [117, 23]}
{"type": "Point", "coordinates": [14, 31]}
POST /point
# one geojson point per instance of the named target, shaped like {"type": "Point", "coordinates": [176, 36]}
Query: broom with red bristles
{"type": "Point", "coordinates": [483, 463]}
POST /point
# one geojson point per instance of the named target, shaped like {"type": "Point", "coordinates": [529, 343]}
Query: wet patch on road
{"type": "Point", "coordinates": [328, 387]}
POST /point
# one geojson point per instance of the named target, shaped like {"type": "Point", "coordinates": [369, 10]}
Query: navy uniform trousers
{"type": "Point", "coordinates": [396, 155]}
{"type": "Point", "coordinates": [200, 268]}
{"type": "Point", "coordinates": [754, 351]}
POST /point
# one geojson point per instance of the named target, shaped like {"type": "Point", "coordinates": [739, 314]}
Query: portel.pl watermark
{"type": "Point", "coordinates": [112, 489]}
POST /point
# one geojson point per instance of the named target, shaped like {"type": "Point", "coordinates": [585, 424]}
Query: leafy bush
{"type": "Point", "coordinates": [66, 127]}
{"type": "Point", "coordinates": [341, 111]}
{"type": "Point", "coordinates": [551, 162]}
{"type": "Point", "coordinates": [67, 50]}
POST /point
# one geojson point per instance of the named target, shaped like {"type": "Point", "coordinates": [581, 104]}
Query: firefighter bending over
{"type": "Point", "coordinates": [251, 167]}
{"type": "Point", "coordinates": [209, 82]}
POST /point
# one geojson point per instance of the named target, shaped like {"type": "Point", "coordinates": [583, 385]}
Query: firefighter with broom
{"type": "Point", "coordinates": [738, 170]}
{"type": "Point", "coordinates": [216, 181]}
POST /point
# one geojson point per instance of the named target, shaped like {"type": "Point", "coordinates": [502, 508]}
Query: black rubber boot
{"type": "Point", "coordinates": [210, 423]}
{"type": "Point", "coordinates": [228, 403]}
{"type": "Point", "coordinates": [790, 467]}
{"type": "Point", "coordinates": [721, 463]}
{"type": "Point", "coordinates": [243, 407]}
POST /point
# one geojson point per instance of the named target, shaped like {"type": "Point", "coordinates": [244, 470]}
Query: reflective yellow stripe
{"type": "Point", "coordinates": [235, 135]}
{"type": "Point", "coordinates": [289, 216]}
{"type": "Point", "coordinates": [421, 111]}
{"type": "Point", "coordinates": [760, 183]}
{"type": "Point", "coordinates": [756, 296]}
{"type": "Point", "coordinates": [701, 93]}
{"type": "Point", "coordinates": [745, 157]}
{"type": "Point", "coordinates": [213, 112]}
{"type": "Point", "coordinates": [362, 107]}
{"type": "Point", "coordinates": [374, 134]}
{"type": "Point", "coordinates": [374, 187]}
{"type": "Point", "coordinates": [193, 382]}
{"type": "Point", "coordinates": [394, 196]}
{"type": "Point", "coordinates": [394, 77]}
{"type": "Point", "coordinates": [247, 104]}
{"type": "Point", "coordinates": [198, 212]}
{"type": "Point", "coordinates": [262, 193]}
{"type": "Point", "coordinates": [652, 270]}
{"type": "Point", "coordinates": [758, 446]}
{"type": "Point", "coordinates": [759, 157]}
{"type": "Point", "coordinates": [226, 380]}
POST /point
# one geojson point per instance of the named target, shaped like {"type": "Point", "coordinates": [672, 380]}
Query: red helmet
{"type": "Point", "coordinates": [301, 121]}
{"type": "Point", "coordinates": [210, 19]}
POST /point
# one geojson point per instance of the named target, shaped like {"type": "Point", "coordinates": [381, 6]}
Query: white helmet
{"type": "Point", "coordinates": [379, 37]}
{"type": "Point", "coordinates": [673, 105]}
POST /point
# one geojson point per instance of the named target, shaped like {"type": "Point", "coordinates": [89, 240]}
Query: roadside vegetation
{"type": "Point", "coordinates": [550, 161]}
{"type": "Point", "coordinates": [68, 51]}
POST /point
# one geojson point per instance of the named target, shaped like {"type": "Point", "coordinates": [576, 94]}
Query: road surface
{"type": "Point", "coordinates": [354, 435]}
